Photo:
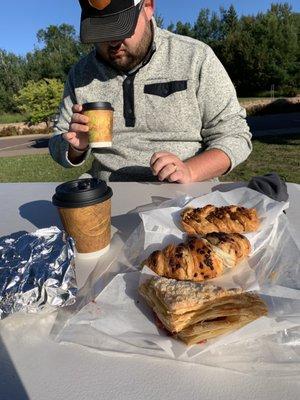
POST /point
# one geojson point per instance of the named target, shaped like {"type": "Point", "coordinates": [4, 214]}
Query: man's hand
{"type": "Point", "coordinates": [167, 166]}
{"type": "Point", "coordinates": [209, 164]}
{"type": "Point", "coordinates": [78, 129]}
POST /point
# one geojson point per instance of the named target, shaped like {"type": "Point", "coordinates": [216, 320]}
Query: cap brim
{"type": "Point", "coordinates": [112, 27]}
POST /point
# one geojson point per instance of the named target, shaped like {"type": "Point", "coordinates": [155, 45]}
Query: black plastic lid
{"type": "Point", "coordinates": [81, 193]}
{"type": "Point", "coordinates": [97, 105]}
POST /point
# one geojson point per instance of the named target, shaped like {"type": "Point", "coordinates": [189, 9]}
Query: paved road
{"type": "Point", "coordinates": [21, 145]}
{"type": "Point", "coordinates": [279, 124]}
{"type": "Point", "coordinates": [284, 123]}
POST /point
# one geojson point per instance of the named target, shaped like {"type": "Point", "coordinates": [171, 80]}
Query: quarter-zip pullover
{"type": "Point", "coordinates": [181, 100]}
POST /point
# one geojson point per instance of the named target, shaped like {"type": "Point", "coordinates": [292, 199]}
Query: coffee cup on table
{"type": "Point", "coordinates": [84, 206]}
{"type": "Point", "coordinates": [100, 123]}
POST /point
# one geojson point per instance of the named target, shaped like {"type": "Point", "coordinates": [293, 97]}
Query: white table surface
{"type": "Point", "coordinates": [32, 366]}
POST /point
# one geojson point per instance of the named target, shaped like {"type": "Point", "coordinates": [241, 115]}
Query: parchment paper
{"type": "Point", "coordinates": [120, 321]}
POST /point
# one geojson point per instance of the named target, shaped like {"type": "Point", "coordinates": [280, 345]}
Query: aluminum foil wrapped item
{"type": "Point", "coordinates": [37, 272]}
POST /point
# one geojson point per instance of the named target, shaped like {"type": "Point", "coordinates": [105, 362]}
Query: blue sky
{"type": "Point", "coordinates": [20, 20]}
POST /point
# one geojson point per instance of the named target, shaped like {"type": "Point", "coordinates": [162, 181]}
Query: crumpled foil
{"type": "Point", "coordinates": [37, 272]}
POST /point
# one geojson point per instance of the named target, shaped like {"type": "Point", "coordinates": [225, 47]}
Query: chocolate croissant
{"type": "Point", "coordinates": [234, 244]}
{"type": "Point", "coordinates": [228, 219]}
{"type": "Point", "coordinates": [199, 259]}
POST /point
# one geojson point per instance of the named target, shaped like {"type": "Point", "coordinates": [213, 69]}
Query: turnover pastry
{"type": "Point", "coordinates": [199, 259]}
{"type": "Point", "coordinates": [195, 312]}
{"type": "Point", "coordinates": [228, 219]}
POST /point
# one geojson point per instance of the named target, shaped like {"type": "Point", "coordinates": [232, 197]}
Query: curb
{"type": "Point", "coordinates": [26, 136]}
{"type": "Point", "coordinates": [27, 152]}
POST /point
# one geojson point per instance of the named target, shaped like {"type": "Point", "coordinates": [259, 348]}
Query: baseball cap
{"type": "Point", "coordinates": [108, 20]}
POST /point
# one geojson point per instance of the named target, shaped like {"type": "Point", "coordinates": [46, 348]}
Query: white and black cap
{"type": "Point", "coordinates": [108, 20]}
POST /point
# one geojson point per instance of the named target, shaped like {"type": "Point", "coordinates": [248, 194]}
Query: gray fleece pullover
{"type": "Point", "coordinates": [180, 100]}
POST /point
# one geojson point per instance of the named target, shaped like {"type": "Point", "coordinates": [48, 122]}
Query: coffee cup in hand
{"type": "Point", "coordinates": [100, 123]}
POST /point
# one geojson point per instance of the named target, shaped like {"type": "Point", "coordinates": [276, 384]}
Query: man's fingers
{"type": "Point", "coordinates": [77, 140]}
{"type": "Point", "coordinates": [158, 155]}
{"type": "Point", "coordinates": [79, 119]}
{"type": "Point", "coordinates": [79, 128]}
{"type": "Point", "coordinates": [77, 108]}
{"type": "Point", "coordinates": [177, 176]}
{"type": "Point", "coordinates": [167, 171]}
{"type": "Point", "coordinates": [161, 162]}
{"type": "Point", "coordinates": [69, 136]}
{"type": "Point", "coordinates": [167, 166]}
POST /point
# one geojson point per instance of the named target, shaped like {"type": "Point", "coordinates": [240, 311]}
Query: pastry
{"type": "Point", "coordinates": [234, 244]}
{"type": "Point", "coordinates": [195, 312]}
{"type": "Point", "coordinates": [228, 219]}
{"type": "Point", "coordinates": [199, 259]}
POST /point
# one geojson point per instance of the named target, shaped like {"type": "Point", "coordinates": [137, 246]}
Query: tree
{"type": "Point", "coordinates": [262, 51]}
{"type": "Point", "coordinates": [202, 27]}
{"type": "Point", "coordinates": [184, 29]}
{"type": "Point", "coordinates": [159, 20]}
{"type": "Point", "coordinates": [207, 28]}
{"type": "Point", "coordinates": [171, 27]}
{"type": "Point", "coordinates": [181, 29]}
{"type": "Point", "coordinates": [257, 51]}
{"type": "Point", "coordinates": [60, 49]}
{"type": "Point", "coordinates": [296, 17]}
{"type": "Point", "coordinates": [12, 78]}
{"type": "Point", "coordinates": [229, 20]}
{"type": "Point", "coordinates": [40, 100]}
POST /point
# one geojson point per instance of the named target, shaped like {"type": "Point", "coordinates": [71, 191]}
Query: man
{"type": "Point", "coordinates": [177, 117]}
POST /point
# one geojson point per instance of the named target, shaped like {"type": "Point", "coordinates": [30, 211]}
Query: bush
{"type": "Point", "coordinates": [283, 91]}
{"type": "Point", "coordinates": [279, 106]}
{"type": "Point", "coordinates": [21, 131]}
{"type": "Point", "coordinates": [40, 100]}
{"type": "Point", "coordinates": [9, 131]}
{"type": "Point", "coordinates": [37, 131]}
{"type": "Point", "coordinates": [287, 91]}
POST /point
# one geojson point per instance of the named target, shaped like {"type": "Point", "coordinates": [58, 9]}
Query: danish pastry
{"type": "Point", "coordinates": [228, 219]}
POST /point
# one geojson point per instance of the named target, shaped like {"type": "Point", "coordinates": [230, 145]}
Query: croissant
{"type": "Point", "coordinates": [234, 244]}
{"type": "Point", "coordinates": [228, 219]}
{"type": "Point", "coordinates": [199, 259]}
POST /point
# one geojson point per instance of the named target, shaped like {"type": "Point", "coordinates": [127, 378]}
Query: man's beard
{"type": "Point", "coordinates": [126, 61]}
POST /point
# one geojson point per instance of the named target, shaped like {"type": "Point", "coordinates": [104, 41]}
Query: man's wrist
{"type": "Point", "coordinates": [195, 171]}
{"type": "Point", "coordinates": [78, 151]}
{"type": "Point", "coordinates": [190, 171]}
{"type": "Point", "coordinates": [76, 156]}
{"type": "Point", "coordinates": [209, 164]}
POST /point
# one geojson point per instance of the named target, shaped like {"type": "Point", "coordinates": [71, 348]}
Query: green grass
{"type": "Point", "coordinates": [37, 168]}
{"type": "Point", "coordinates": [12, 118]}
{"type": "Point", "coordinates": [279, 154]}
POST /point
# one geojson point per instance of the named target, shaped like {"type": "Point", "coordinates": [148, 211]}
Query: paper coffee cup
{"type": "Point", "coordinates": [100, 123]}
{"type": "Point", "coordinates": [84, 206]}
